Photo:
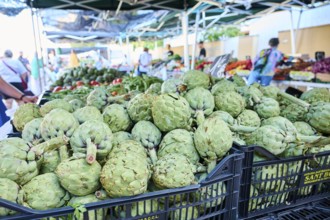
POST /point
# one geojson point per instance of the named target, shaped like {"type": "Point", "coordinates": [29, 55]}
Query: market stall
{"type": "Point", "coordinates": [103, 144]}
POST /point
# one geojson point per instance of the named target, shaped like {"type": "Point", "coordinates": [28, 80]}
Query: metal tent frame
{"type": "Point", "coordinates": [193, 15]}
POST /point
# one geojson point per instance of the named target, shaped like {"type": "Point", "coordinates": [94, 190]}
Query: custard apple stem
{"type": "Point", "coordinates": [200, 168]}
{"type": "Point", "coordinates": [294, 100]}
{"type": "Point", "coordinates": [101, 194]}
{"type": "Point", "coordinates": [200, 117]}
{"type": "Point", "coordinates": [63, 151]}
{"type": "Point", "coordinates": [319, 143]}
{"type": "Point", "coordinates": [241, 128]}
{"type": "Point", "coordinates": [50, 145]}
{"type": "Point", "coordinates": [153, 155]}
{"type": "Point", "coordinates": [91, 151]}
{"type": "Point", "coordinates": [211, 165]}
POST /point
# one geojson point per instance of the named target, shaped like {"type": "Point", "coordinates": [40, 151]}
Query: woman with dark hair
{"type": "Point", "coordinates": [264, 64]}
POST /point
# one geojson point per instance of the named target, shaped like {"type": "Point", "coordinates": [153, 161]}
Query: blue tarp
{"type": "Point", "coordinates": [11, 7]}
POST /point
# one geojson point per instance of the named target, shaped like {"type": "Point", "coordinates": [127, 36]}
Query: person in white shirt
{"type": "Point", "coordinates": [144, 62]}
{"type": "Point", "coordinates": [13, 72]}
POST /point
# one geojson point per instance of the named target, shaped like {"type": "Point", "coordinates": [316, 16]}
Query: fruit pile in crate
{"type": "Point", "coordinates": [165, 150]}
{"type": "Point", "coordinates": [287, 158]}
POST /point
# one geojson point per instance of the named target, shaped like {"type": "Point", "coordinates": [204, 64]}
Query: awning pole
{"type": "Point", "coordinates": [185, 38]}
{"type": "Point", "coordinates": [195, 42]}
{"type": "Point", "coordinates": [36, 49]}
{"type": "Point", "coordinates": [128, 51]}
{"type": "Point", "coordinates": [298, 26]}
{"type": "Point", "coordinates": [40, 47]}
{"type": "Point", "coordinates": [292, 32]}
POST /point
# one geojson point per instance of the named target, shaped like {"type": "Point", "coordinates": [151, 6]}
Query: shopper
{"type": "Point", "coordinates": [11, 91]}
{"type": "Point", "coordinates": [13, 72]}
{"type": "Point", "coordinates": [264, 64]}
{"type": "Point", "coordinates": [202, 52]}
{"type": "Point", "coordinates": [24, 61]}
{"type": "Point", "coordinates": [169, 51]}
{"type": "Point", "coordinates": [144, 62]}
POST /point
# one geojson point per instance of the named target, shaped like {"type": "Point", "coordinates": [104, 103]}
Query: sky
{"type": "Point", "coordinates": [17, 33]}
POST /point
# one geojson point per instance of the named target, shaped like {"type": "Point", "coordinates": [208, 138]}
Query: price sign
{"type": "Point", "coordinates": [218, 67]}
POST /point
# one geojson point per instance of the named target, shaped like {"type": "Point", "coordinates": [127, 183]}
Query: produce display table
{"type": "Point", "coordinates": [295, 84]}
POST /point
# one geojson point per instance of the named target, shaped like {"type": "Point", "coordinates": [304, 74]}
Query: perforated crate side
{"type": "Point", "coordinates": [280, 184]}
{"type": "Point", "coordinates": [214, 198]}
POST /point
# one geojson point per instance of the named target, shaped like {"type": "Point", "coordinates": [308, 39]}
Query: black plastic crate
{"type": "Point", "coordinates": [216, 197]}
{"type": "Point", "coordinates": [278, 184]}
{"type": "Point", "coordinates": [312, 211]}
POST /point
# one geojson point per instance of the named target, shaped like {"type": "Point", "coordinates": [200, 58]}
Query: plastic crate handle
{"type": "Point", "coordinates": [266, 153]}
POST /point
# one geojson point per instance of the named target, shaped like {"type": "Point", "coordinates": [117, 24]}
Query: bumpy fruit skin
{"type": "Point", "coordinates": [248, 118]}
{"type": "Point", "coordinates": [238, 81]}
{"type": "Point", "coordinates": [14, 163]}
{"type": "Point", "coordinates": [270, 91]}
{"type": "Point", "coordinates": [267, 108]}
{"type": "Point", "coordinates": [82, 200]}
{"type": "Point", "coordinates": [271, 138]}
{"type": "Point", "coordinates": [223, 86]}
{"type": "Point", "coordinates": [87, 113]}
{"type": "Point", "coordinates": [130, 147]}
{"type": "Point", "coordinates": [125, 175]}
{"type": "Point", "coordinates": [116, 117]}
{"type": "Point", "coordinates": [78, 177]}
{"type": "Point", "coordinates": [50, 161]}
{"type": "Point", "coordinates": [231, 102]}
{"type": "Point", "coordinates": [9, 191]}
{"type": "Point", "coordinates": [179, 141]}
{"type": "Point", "coordinates": [304, 128]}
{"type": "Point", "coordinates": [44, 192]}
{"type": "Point", "coordinates": [172, 86]}
{"type": "Point", "coordinates": [195, 78]}
{"type": "Point", "coordinates": [119, 137]}
{"type": "Point", "coordinates": [170, 111]}
{"type": "Point", "coordinates": [147, 134]}
{"type": "Point", "coordinates": [139, 108]}
{"type": "Point", "coordinates": [292, 111]}
{"type": "Point", "coordinates": [31, 132]}
{"type": "Point", "coordinates": [98, 133]}
{"type": "Point", "coordinates": [285, 125]}
{"type": "Point", "coordinates": [316, 95]}
{"type": "Point", "coordinates": [188, 213]}
{"type": "Point", "coordinates": [76, 104]}
{"type": "Point", "coordinates": [97, 98]}
{"type": "Point", "coordinates": [154, 89]}
{"type": "Point", "coordinates": [201, 101]}
{"type": "Point", "coordinates": [320, 110]}
{"type": "Point", "coordinates": [173, 171]}
{"type": "Point", "coordinates": [213, 139]}
{"type": "Point", "coordinates": [24, 114]}
{"type": "Point", "coordinates": [54, 104]}
{"type": "Point", "coordinates": [70, 97]}
{"type": "Point", "coordinates": [56, 123]}
{"type": "Point", "coordinates": [19, 161]}
{"type": "Point", "coordinates": [225, 116]}
{"type": "Point", "coordinates": [251, 94]}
